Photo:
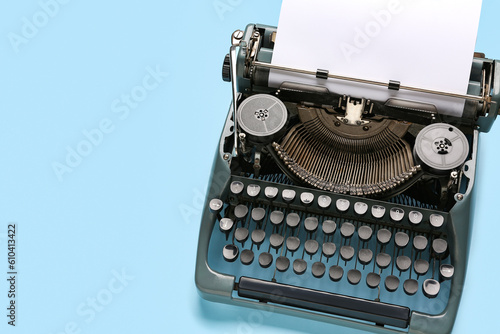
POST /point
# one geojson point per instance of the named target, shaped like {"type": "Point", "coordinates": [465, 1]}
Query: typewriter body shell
{"type": "Point", "coordinates": [216, 285]}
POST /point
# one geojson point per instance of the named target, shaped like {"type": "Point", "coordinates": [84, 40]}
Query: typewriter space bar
{"type": "Point", "coordinates": [361, 309]}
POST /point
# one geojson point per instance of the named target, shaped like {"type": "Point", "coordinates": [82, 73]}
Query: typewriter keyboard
{"type": "Point", "coordinates": [348, 246]}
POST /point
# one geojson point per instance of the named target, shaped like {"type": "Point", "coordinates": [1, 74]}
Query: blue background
{"type": "Point", "coordinates": [134, 202]}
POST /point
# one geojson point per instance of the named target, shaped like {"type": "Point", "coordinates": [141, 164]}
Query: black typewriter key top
{"type": "Point", "coordinates": [384, 236]}
{"type": "Point", "coordinates": [365, 233]}
{"type": "Point", "coordinates": [365, 256]}
{"type": "Point", "coordinates": [354, 276]}
{"type": "Point", "coordinates": [436, 220]}
{"type": "Point", "coordinates": [292, 244]}
{"type": "Point", "coordinates": [347, 253]}
{"type": "Point", "coordinates": [258, 215]}
{"type": "Point", "coordinates": [292, 220]}
{"type": "Point", "coordinates": [277, 218]}
{"type": "Point", "coordinates": [403, 263]}
{"type": "Point", "coordinates": [324, 202]}
{"type": "Point", "coordinates": [240, 211]}
{"type": "Point", "coordinates": [216, 205]}
{"type": "Point", "coordinates": [446, 272]}
{"type": "Point", "coordinates": [258, 237]}
{"type": "Point", "coordinates": [373, 280]}
{"type": "Point", "coordinates": [246, 257]}
{"type": "Point", "coordinates": [253, 190]}
{"type": "Point", "coordinates": [401, 239]}
{"type": "Point", "coordinates": [288, 195]}
{"type": "Point", "coordinates": [391, 283]}
{"type": "Point", "coordinates": [237, 187]}
{"type": "Point", "coordinates": [397, 214]}
{"type": "Point", "coordinates": [378, 211]}
{"type": "Point", "coordinates": [230, 253]}
{"type": "Point", "coordinates": [360, 208]}
{"type": "Point", "coordinates": [410, 286]}
{"type": "Point", "coordinates": [431, 288]}
{"type": "Point", "coordinates": [347, 230]}
{"type": "Point", "coordinates": [282, 263]}
{"type": "Point", "coordinates": [329, 249]}
{"type": "Point", "coordinates": [241, 235]}
{"type": "Point", "coordinates": [318, 269]}
{"type": "Point", "coordinates": [440, 248]}
{"type": "Point", "coordinates": [306, 199]}
{"type": "Point", "coordinates": [336, 273]}
{"type": "Point", "coordinates": [421, 267]}
{"type": "Point", "coordinates": [311, 247]}
{"type": "Point", "coordinates": [342, 205]}
{"type": "Point", "coordinates": [329, 227]}
{"type": "Point", "coordinates": [383, 260]}
{"type": "Point", "coordinates": [276, 241]}
{"type": "Point", "coordinates": [271, 193]}
{"type": "Point", "coordinates": [415, 217]}
{"type": "Point", "coordinates": [311, 224]}
{"type": "Point", "coordinates": [225, 226]}
{"type": "Point", "coordinates": [420, 243]}
{"type": "Point", "coordinates": [265, 260]}
{"type": "Point", "coordinates": [299, 266]}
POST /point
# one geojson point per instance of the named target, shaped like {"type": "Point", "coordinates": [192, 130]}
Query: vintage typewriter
{"type": "Point", "coordinates": [340, 208]}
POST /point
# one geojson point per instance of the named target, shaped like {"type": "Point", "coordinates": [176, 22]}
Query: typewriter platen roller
{"type": "Point", "coordinates": [341, 208]}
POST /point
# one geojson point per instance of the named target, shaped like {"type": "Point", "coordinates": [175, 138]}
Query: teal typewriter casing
{"type": "Point", "coordinates": [219, 285]}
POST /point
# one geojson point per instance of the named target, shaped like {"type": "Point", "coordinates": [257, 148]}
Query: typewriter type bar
{"type": "Point", "coordinates": [379, 313]}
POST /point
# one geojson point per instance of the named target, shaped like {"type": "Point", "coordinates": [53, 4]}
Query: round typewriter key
{"type": "Point", "coordinates": [401, 239]}
{"type": "Point", "coordinates": [216, 205]}
{"type": "Point", "coordinates": [403, 263]}
{"type": "Point", "coordinates": [347, 230]}
{"type": "Point", "coordinates": [271, 192]}
{"type": "Point", "coordinates": [347, 253]}
{"type": "Point", "coordinates": [265, 260]}
{"type": "Point", "coordinates": [240, 211]}
{"type": "Point", "coordinates": [365, 233]}
{"type": "Point", "coordinates": [415, 217]}
{"type": "Point", "coordinates": [397, 214]}
{"type": "Point", "coordinates": [378, 211]}
{"type": "Point", "coordinates": [336, 273]}
{"type": "Point", "coordinates": [311, 224]}
{"type": "Point", "coordinates": [436, 221]}
{"type": "Point", "coordinates": [440, 248]}
{"type": "Point", "coordinates": [226, 225]}
{"type": "Point", "coordinates": [343, 205]}
{"type": "Point", "coordinates": [307, 199]}
{"type": "Point", "coordinates": [258, 237]}
{"type": "Point", "coordinates": [237, 187]}
{"type": "Point", "coordinates": [365, 256]}
{"type": "Point", "coordinates": [410, 286]}
{"type": "Point", "coordinates": [258, 215]}
{"type": "Point", "coordinates": [292, 220]}
{"type": "Point", "coordinates": [276, 241]}
{"type": "Point", "coordinates": [354, 276]}
{"type": "Point", "coordinates": [292, 244]}
{"type": "Point", "coordinates": [318, 269]}
{"type": "Point", "coordinates": [277, 217]}
{"type": "Point", "coordinates": [446, 272]}
{"type": "Point", "coordinates": [329, 227]}
{"type": "Point", "coordinates": [421, 267]}
{"type": "Point", "coordinates": [299, 266]}
{"type": "Point", "coordinates": [360, 208]}
{"type": "Point", "coordinates": [420, 243]}
{"type": "Point", "coordinates": [241, 234]}
{"type": "Point", "coordinates": [373, 280]}
{"type": "Point", "coordinates": [329, 249]}
{"type": "Point", "coordinates": [282, 263]}
{"type": "Point", "coordinates": [431, 288]}
{"type": "Point", "coordinates": [246, 257]}
{"type": "Point", "coordinates": [383, 260]}
{"type": "Point", "coordinates": [288, 195]}
{"type": "Point", "coordinates": [253, 190]}
{"type": "Point", "coordinates": [384, 236]}
{"type": "Point", "coordinates": [230, 253]}
{"type": "Point", "coordinates": [391, 283]}
{"type": "Point", "coordinates": [324, 201]}
{"type": "Point", "coordinates": [311, 247]}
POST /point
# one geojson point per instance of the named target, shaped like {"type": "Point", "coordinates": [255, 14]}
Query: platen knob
{"type": "Point", "coordinates": [226, 69]}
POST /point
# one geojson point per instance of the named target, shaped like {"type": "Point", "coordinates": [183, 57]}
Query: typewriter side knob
{"type": "Point", "coordinates": [441, 147]}
{"type": "Point", "coordinates": [226, 69]}
{"type": "Point", "coordinates": [262, 117]}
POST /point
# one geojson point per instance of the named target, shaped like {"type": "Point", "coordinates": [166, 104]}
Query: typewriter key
{"type": "Point", "coordinates": [391, 283]}
{"type": "Point", "coordinates": [446, 272]}
{"type": "Point", "coordinates": [329, 227]}
{"type": "Point", "coordinates": [258, 237]}
{"type": "Point", "coordinates": [440, 248]}
{"type": "Point", "coordinates": [276, 241]}
{"type": "Point", "coordinates": [397, 214]}
{"type": "Point", "coordinates": [271, 193]}
{"type": "Point", "coordinates": [246, 257]}
{"type": "Point", "coordinates": [324, 202]}
{"type": "Point", "coordinates": [373, 280]}
{"type": "Point", "coordinates": [343, 205]}
{"type": "Point", "coordinates": [383, 260]}
{"type": "Point", "coordinates": [216, 206]}
{"type": "Point", "coordinates": [410, 286]}
{"type": "Point", "coordinates": [282, 263]}
{"type": "Point", "coordinates": [230, 253]}
{"type": "Point", "coordinates": [299, 266]}
{"type": "Point", "coordinates": [258, 215]}
{"type": "Point", "coordinates": [415, 217]}
{"type": "Point", "coordinates": [265, 260]}
{"type": "Point", "coordinates": [253, 190]}
{"type": "Point", "coordinates": [336, 273]}
{"type": "Point", "coordinates": [292, 244]}
{"type": "Point", "coordinates": [436, 221]}
{"type": "Point", "coordinates": [365, 233]}
{"type": "Point", "coordinates": [311, 247]}
{"type": "Point", "coordinates": [277, 218]}
{"type": "Point", "coordinates": [347, 230]}
{"type": "Point", "coordinates": [384, 236]}
{"type": "Point", "coordinates": [292, 220]}
{"type": "Point", "coordinates": [347, 253]}
{"type": "Point", "coordinates": [237, 187]}
{"type": "Point", "coordinates": [420, 243]}
{"type": "Point", "coordinates": [241, 235]}
{"type": "Point", "coordinates": [288, 195]}
{"type": "Point", "coordinates": [354, 276]}
{"type": "Point", "coordinates": [431, 288]}
{"type": "Point", "coordinates": [403, 263]}
{"type": "Point", "coordinates": [240, 212]}
{"type": "Point", "coordinates": [360, 208]}
{"type": "Point", "coordinates": [318, 269]}
{"type": "Point", "coordinates": [307, 199]}
{"type": "Point", "coordinates": [311, 224]}
{"type": "Point", "coordinates": [225, 226]}
{"type": "Point", "coordinates": [401, 239]}
{"type": "Point", "coordinates": [329, 249]}
{"type": "Point", "coordinates": [421, 267]}
{"type": "Point", "coordinates": [378, 211]}
{"type": "Point", "coordinates": [365, 256]}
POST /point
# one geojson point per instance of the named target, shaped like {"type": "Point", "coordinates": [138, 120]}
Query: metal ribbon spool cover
{"type": "Point", "coordinates": [262, 117]}
{"type": "Point", "coordinates": [441, 147]}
